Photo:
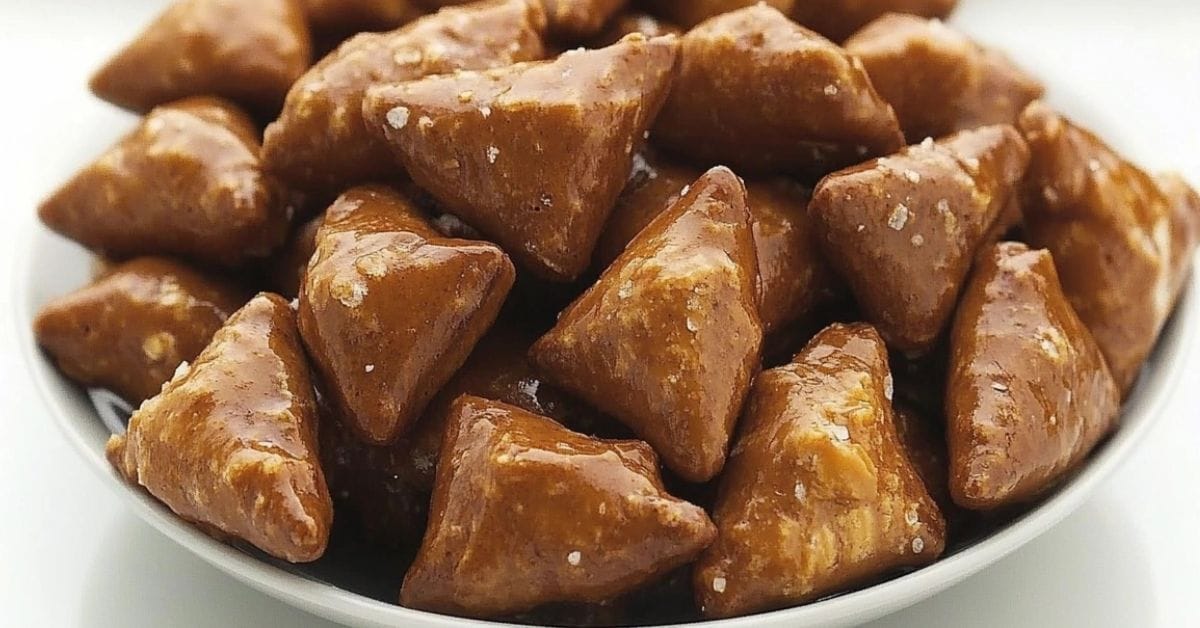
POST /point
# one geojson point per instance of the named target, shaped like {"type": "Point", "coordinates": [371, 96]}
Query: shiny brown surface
{"type": "Point", "coordinates": [186, 182]}
{"type": "Point", "coordinates": [129, 330]}
{"type": "Point", "coordinates": [320, 143]}
{"type": "Point", "coordinates": [794, 277]}
{"type": "Point", "coordinates": [575, 20]}
{"type": "Point", "coordinates": [763, 95]}
{"type": "Point", "coordinates": [526, 512]}
{"type": "Point", "coordinates": [291, 262]}
{"type": "Point", "coordinates": [903, 229]}
{"type": "Point", "coordinates": [937, 79]}
{"type": "Point", "coordinates": [818, 495]}
{"type": "Point", "coordinates": [925, 447]}
{"type": "Point", "coordinates": [231, 441]}
{"type": "Point", "coordinates": [389, 309]}
{"type": "Point", "coordinates": [343, 17]}
{"type": "Point", "coordinates": [248, 52]}
{"type": "Point", "coordinates": [689, 13]}
{"type": "Point", "coordinates": [838, 19]}
{"type": "Point", "coordinates": [388, 486]}
{"type": "Point", "coordinates": [481, 143]}
{"type": "Point", "coordinates": [1122, 246]}
{"type": "Point", "coordinates": [633, 22]}
{"type": "Point", "coordinates": [1028, 394]}
{"type": "Point", "coordinates": [669, 337]}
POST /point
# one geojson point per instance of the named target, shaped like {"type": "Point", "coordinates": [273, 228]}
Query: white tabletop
{"type": "Point", "coordinates": [71, 555]}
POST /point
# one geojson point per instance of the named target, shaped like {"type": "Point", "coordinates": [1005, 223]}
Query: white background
{"type": "Point", "coordinates": [71, 555]}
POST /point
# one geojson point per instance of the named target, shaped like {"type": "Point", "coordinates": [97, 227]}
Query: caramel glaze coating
{"type": "Point", "coordinates": [937, 79]}
{"type": "Point", "coordinates": [838, 19]}
{"type": "Point", "coordinates": [231, 441]}
{"type": "Point", "coordinates": [382, 358]}
{"type": "Point", "coordinates": [344, 17]}
{"type": "Point", "coordinates": [1029, 394]}
{"type": "Point", "coordinates": [794, 278]}
{"type": "Point", "coordinates": [186, 182]}
{"type": "Point", "coordinates": [903, 229]}
{"type": "Point", "coordinates": [388, 486]}
{"type": "Point", "coordinates": [819, 494]}
{"type": "Point", "coordinates": [320, 142]}
{"type": "Point", "coordinates": [689, 13]}
{"type": "Point", "coordinates": [288, 266]}
{"type": "Point", "coordinates": [578, 20]}
{"type": "Point", "coordinates": [526, 512]}
{"type": "Point", "coordinates": [669, 338]}
{"type": "Point", "coordinates": [480, 142]}
{"type": "Point", "coordinates": [633, 22]}
{"type": "Point", "coordinates": [925, 448]}
{"type": "Point", "coordinates": [248, 52]}
{"type": "Point", "coordinates": [128, 330]}
{"type": "Point", "coordinates": [814, 111]}
{"type": "Point", "coordinates": [1123, 247]}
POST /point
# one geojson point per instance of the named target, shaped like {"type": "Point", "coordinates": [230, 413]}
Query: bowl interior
{"type": "Point", "coordinates": [358, 583]}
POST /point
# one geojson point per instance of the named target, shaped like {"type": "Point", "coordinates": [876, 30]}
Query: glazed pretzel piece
{"type": "Point", "coordinates": [526, 512]}
{"type": "Point", "coordinates": [247, 52]}
{"type": "Point", "coordinates": [231, 441]}
{"type": "Point", "coordinates": [186, 182]}
{"type": "Point", "coordinates": [835, 19]}
{"type": "Point", "coordinates": [534, 154]}
{"type": "Point", "coordinates": [128, 330]}
{"type": "Point", "coordinates": [838, 19]}
{"type": "Point", "coordinates": [1028, 393]}
{"type": "Point", "coordinates": [389, 308]}
{"type": "Point", "coordinates": [387, 487]}
{"type": "Point", "coordinates": [937, 79]}
{"type": "Point", "coordinates": [814, 109]}
{"type": "Point", "coordinates": [1122, 242]}
{"type": "Point", "coordinates": [669, 337]}
{"type": "Point", "coordinates": [794, 277]}
{"type": "Point", "coordinates": [902, 230]}
{"type": "Point", "coordinates": [819, 494]}
{"type": "Point", "coordinates": [320, 143]}
{"type": "Point", "coordinates": [336, 18]}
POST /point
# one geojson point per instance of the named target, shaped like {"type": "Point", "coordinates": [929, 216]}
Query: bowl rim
{"type": "Point", "coordinates": [1139, 413]}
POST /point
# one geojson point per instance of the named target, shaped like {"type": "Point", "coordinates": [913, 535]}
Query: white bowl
{"type": "Point", "coordinates": [53, 266]}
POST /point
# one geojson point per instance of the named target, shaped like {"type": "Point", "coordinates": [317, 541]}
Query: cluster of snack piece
{"type": "Point", "coordinates": [471, 176]}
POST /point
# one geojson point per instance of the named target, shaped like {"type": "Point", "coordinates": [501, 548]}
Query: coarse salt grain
{"type": "Point", "coordinates": [397, 117]}
{"type": "Point", "coordinates": [899, 217]}
{"type": "Point", "coordinates": [889, 386]}
{"type": "Point", "coordinates": [485, 111]}
{"type": "Point", "coordinates": [918, 545]}
{"type": "Point", "coordinates": [998, 387]}
{"type": "Point", "coordinates": [492, 154]}
{"type": "Point", "coordinates": [911, 517]}
{"type": "Point", "coordinates": [831, 90]}
{"type": "Point", "coordinates": [625, 290]}
{"type": "Point", "coordinates": [718, 584]}
{"type": "Point", "coordinates": [799, 491]}
{"type": "Point", "coordinates": [574, 558]}
{"type": "Point", "coordinates": [368, 368]}
{"type": "Point", "coordinates": [918, 240]}
{"type": "Point", "coordinates": [424, 122]}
